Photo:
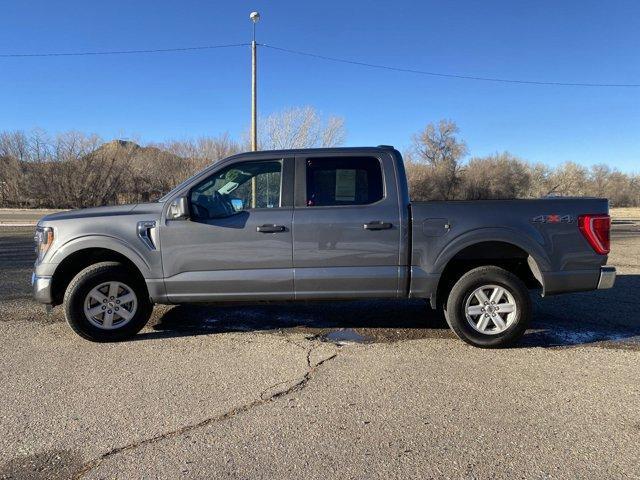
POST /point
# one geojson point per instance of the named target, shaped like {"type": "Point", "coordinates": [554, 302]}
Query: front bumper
{"type": "Point", "coordinates": [41, 289]}
{"type": "Point", "coordinates": [607, 277]}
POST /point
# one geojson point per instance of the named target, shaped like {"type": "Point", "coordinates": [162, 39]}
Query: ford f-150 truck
{"type": "Point", "coordinates": [316, 224]}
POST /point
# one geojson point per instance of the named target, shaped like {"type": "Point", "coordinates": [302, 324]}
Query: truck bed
{"type": "Point", "coordinates": [545, 231]}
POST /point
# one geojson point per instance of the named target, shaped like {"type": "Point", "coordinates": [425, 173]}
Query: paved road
{"type": "Point", "coordinates": [321, 390]}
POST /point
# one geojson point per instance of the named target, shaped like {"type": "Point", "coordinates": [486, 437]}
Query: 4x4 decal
{"type": "Point", "coordinates": [553, 218]}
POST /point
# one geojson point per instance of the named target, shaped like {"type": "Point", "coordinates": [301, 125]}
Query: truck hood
{"type": "Point", "coordinates": [108, 211]}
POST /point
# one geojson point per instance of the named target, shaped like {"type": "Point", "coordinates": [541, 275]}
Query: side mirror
{"type": "Point", "coordinates": [238, 204]}
{"type": "Point", "coordinates": [179, 209]}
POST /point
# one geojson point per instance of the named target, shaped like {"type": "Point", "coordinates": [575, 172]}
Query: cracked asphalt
{"type": "Point", "coordinates": [372, 389]}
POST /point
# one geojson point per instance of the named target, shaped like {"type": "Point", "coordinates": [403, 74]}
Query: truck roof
{"type": "Point", "coordinates": [315, 151]}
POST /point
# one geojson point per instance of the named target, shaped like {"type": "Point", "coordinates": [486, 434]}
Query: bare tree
{"type": "Point", "coordinates": [497, 176]}
{"type": "Point", "coordinates": [11, 181]}
{"type": "Point", "coordinates": [79, 174]}
{"type": "Point", "coordinates": [300, 127]}
{"type": "Point", "coordinates": [15, 145]}
{"type": "Point", "coordinates": [570, 179]}
{"type": "Point", "coordinates": [599, 178]}
{"type": "Point", "coordinates": [14, 150]}
{"type": "Point", "coordinates": [420, 178]}
{"type": "Point", "coordinates": [541, 180]}
{"type": "Point", "coordinates": [204, 150]}
{"type": "Point", "coordinates": [40, 146]}
{"type": "Point", "coordinates": [334, 133]}
{"type": "Point", "coordinates": [439, 147]}
{"type": "Point", "coordinates": [155, 171]}
{"type": "Point", "coordinates": [421, 181]}
{"type": "Point", "coordinates": [622, 190]}
{"type": "Point", "coordinates": [72, 169]}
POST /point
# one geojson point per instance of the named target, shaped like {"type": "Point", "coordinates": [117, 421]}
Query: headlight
{"type": "Point", "coordinates": [43, 239]}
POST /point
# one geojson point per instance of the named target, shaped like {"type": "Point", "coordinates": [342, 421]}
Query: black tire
{"type": "Point", "coordinates": [88, 279]}
{"type": "Point", "coordinates": [464, 288]}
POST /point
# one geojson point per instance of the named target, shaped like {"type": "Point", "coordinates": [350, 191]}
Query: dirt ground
{"type": "Point", "coordinates": [625, 213]}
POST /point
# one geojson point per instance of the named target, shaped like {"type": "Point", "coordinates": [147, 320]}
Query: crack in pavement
{"type": "Point", "coordinates": [298, 385]}
{"type": "Point", "coordinates": [305, 378]}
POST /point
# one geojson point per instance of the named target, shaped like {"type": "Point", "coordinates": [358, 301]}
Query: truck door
{"type": "Point", "coordinates": [346, 227]}
{"type": "Point", "coordinates": [237, 243]}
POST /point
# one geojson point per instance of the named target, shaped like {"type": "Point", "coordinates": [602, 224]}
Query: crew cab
{"type": "Point", "coordinates": [319, 224]}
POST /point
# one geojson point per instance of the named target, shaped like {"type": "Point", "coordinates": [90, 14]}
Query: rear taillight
{"type": "Point", "coordinates": [595, 229]}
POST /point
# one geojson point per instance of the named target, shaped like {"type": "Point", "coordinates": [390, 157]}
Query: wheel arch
{"type": "Point", "coordinates": [78, 259]}
{"type": "Point", "coordinates": [516, 257]}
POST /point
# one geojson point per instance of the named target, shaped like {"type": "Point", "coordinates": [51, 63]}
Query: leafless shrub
{"type": "Point", "coordinates": [419, 178]}
{"type": "Point", "coordinates": [72, 169]}
{"type": "Point", "coordinates": [203, 151]}
{"type": "Point", "coordinates": [11, 181]}
{"type": "Point", "coordinates": [623, 190]}
{"type": "Point", "coordinates": [570, 179]}
{"type": "Point", "coordinates": [435, 171]}
{"type": "Point", "coordinates": [300, 127]}
{"type": "Point", "coordinates": [439, 148]}
{"type": "Point", "coordinates": [498, 176]}
{"type": "Point", "coordinates": [541, 183]}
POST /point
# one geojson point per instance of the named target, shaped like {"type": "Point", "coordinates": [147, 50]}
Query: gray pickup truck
{"type": "Point", "coordinates": [319, 224]}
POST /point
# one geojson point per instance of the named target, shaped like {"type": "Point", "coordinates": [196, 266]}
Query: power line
{"type": "Point", "coordinates": [120, 52]}
{"type": "Point", "coordinates": [327, 58]}
{"type": "Point", "coordinates": [449, 75]}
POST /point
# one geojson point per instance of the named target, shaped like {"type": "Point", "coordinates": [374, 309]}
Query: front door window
{"type": "Point", "coordinates": [240, 187]}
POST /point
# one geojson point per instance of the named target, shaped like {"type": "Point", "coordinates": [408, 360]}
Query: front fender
{"type": "Point", "coordinates": [146, 268]}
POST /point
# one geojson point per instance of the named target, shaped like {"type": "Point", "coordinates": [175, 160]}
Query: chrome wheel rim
{"type": "Point", "coordinates": [491, 309]}
{"type": "Point", "coordinates": [110, 305]}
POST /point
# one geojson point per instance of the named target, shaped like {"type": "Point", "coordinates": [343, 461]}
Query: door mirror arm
{"type": "Point", "coordinates": [178, 209]}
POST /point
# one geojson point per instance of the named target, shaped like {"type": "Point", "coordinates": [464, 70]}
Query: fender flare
{"type": "Point", "coordinates": [537, 258]}
{"type": "Point", "coordinates": [494, 234]}
{"type": "Point", "coordinates": [105, 242]}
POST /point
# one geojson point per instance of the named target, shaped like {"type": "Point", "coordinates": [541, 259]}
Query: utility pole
{"type": "Point", "coordinates": [254, 17]}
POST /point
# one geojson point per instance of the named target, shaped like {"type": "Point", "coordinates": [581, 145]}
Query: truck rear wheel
{"type": "Point", "coordinates": [105, 302]}
{"type": "Point", "coordinates": [489, 307]}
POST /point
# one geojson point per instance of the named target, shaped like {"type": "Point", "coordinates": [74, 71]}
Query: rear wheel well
{"type": "Point", "coordinates": [78, 261]}
{"type": "Point", "coordinates": [501, 254]}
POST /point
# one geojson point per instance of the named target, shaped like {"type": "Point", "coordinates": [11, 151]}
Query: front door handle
{"type": "Point", "coordinates": [377, 225]}
{"type": "Point", "coordinates": [270, 228]}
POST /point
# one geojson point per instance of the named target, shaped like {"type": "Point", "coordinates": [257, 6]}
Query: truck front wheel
{"type": "Point", "coordinates": [106, 302]}
{"type": "Point", "coordinates": [489, 307]}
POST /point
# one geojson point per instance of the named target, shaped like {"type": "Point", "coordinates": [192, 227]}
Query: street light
{"type": "Point", "coordinates": [255, 18]}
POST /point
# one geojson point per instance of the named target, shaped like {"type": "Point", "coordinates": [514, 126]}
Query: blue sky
{"type": "Point", "coordinates": [153, 97]}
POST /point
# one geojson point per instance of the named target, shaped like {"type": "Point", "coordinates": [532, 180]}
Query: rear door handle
{"type": "Point", "coordinates": [270, 228]}
{"type": "Point", "coordinates": [377, 225]}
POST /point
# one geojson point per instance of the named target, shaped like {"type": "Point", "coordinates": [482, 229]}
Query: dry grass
{"type": "Point", "coordinates": [625, 213]}
{"type": "Point", "coordinates": [23, 215]}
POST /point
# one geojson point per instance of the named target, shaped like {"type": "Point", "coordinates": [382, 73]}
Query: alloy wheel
{"type": "Point", "coordinates": [491, 309]}
{"type": "Point", "coordinates": [110, 305]}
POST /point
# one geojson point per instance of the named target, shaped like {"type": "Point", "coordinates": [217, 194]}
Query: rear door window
{"type": "Point", "coordinates": [343, 181]}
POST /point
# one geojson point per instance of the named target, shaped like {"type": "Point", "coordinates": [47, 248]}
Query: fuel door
{"type": "Point", "coordinates": [435, 227]}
